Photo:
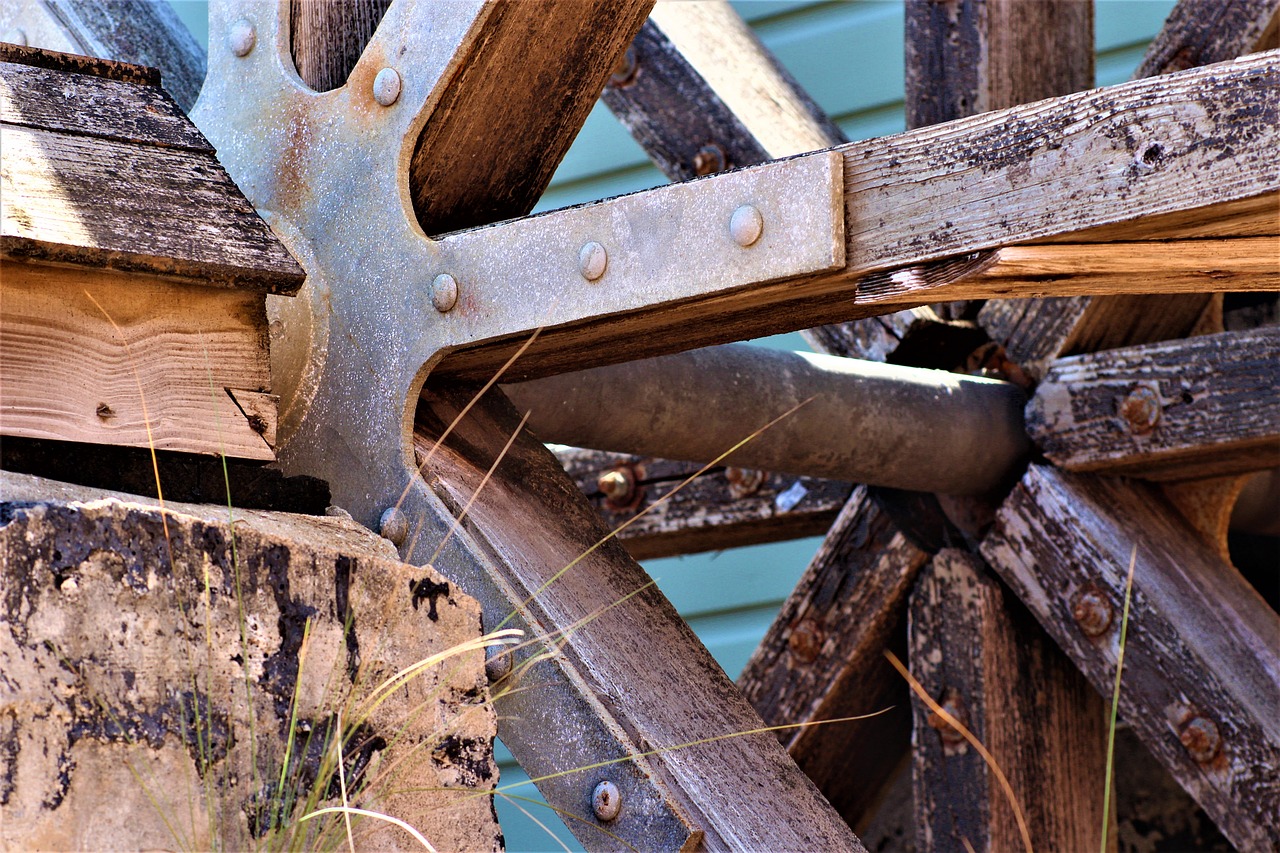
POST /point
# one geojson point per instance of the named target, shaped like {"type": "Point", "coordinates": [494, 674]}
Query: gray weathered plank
{"type": "Point", "coordinates": [1198, 33]}
{"type": "Point", "coordinates": [326, 37]}
{"type": "Point", "coordinates": [1201, 675]}
{"type": "Point", "coordinates": [1205, 406]}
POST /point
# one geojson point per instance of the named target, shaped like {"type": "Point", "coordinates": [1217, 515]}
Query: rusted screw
{"type": "Point", "coordinates": [806, 639]}
{"type": "Point", "coordinates": [624, 72]}
{"type": "Point", "coordinates": [1092, 611]}
{"type": "Point", "coordinates": [708, 160]}
{"type": "Point", "coordinates": [606, 801]}
{"type": "Point", "coordinates": [743, 481]}
{"type": "Point", "coordinates": [617, 484]}
{"type": "Point", "coordinates": [592, 260]}
{"type": "Point", "coordinates": [241, 37]}
{"type": "Point", "coordinates": [954, 705]}
{"type": "Point", "coordinates": [1202, 739]}
{"type": "Point", "coordinates": [1141, 409]}
{"type": "Point", "coordinates": [394, 525]}
{"type": "Point", "coordinates": [746, 225]}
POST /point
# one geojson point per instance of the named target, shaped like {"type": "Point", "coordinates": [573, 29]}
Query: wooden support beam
{"type": "Point", "coordinates": [628, 652]}
{"type": "Point", "coordinates": [986, 661]}
{"type": "Point", "coordinates": [1201, 674]}
{"type": "Point", "coordinates": [1205, 406]}
{"type": "Point", "coordinates": [326, 37]}
{"type": "Point", "coordinates": [1198, 33]}
{"type": "Point", "coordinates": [823, 658]}
{"type": "Point", "coordinates": [723, 508]}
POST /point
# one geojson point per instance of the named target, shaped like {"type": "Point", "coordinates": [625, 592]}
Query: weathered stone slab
{"type": "Point", "coordinates": [178, 680]}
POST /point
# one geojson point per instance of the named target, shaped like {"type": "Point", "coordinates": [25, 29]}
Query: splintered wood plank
{"type": "Point", "coordinates": [167, 211]}
{"type": "Point", "coordinates": [623, 640]}
{"type": "Point", "coordinates": [1201, 676]}
{"type": "Point", "coordinates": [158, 364]}
{"type": "Point", "coordinates": [722, 508]}
{"type": "Point", "coordinates": [984, 659]}
{"type": "Point", "coordinates": [823, 658]}
{"type": "Point", "coordinates": [1198, 33]}
{"type": "Point", "coordinates": [1206, 406]}
{"type": "Point", "coordinates": [486, 155]}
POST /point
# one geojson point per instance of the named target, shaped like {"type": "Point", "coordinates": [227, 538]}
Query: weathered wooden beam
{"type": "Point", "coordinates": [326, 37]}
{"type": "Point", "coordinates": [700, 94]}
{"type": "Point", "coordinates": [823, 657]}
{"type": "Point", "coordinates": [984, 659]}
{"type": "Point", "coordinates": [1201, 675]}
{"type": "Point", "coordinates": [725, 507]}
{"type": "Point", "coordinates": [938, 194]}
{"type": "Point", "coordinates": [1198, 33]}
{"type": "Point", "coordinates": [1205, 406]}
{"type": "Point", "coordinates": [631, 655]}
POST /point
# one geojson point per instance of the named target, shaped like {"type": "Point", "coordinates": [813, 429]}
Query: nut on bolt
{"type": "Point", "coordinates": [806, 639]}
{"type": "Point", "coordinates": [606, 801]}
{"type": "Point", "coordinates": [1201, 738]}
{"type": "Point", "coordinates": [619, 486]}
{"type": "Point", "coordinates": [1141, 410]}
{"type": "Point", "coordinates": [1092, 611]}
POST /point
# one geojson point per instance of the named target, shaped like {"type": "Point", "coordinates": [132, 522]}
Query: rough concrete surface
{"type": "Point", "coordinates": [174, 681]}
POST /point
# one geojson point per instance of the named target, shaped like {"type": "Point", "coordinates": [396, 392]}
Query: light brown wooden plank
{"type": "Point", "coordinates": [986, 661]}
{"type": "Point", "coordinates": [1201, 676]}
{"type": "Point", "coordinates": [822, 657]}
{"type": "Point", "coordinates": [68, 374]}
{"type": "Point", "coordinates": [486, 155]}
{"type": "Point", "coordinates": [166, 211]}
{"type": "Point", "coordinates": [632, 652]}
{"type": "Point", "coordinates": [1202, 407]}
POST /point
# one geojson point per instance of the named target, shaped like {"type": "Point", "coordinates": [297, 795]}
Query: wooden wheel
{"type": "Point", "coordinates": [1174, 178]}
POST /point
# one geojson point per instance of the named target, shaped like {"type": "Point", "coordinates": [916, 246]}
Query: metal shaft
{"type": "Point", "coordinates": [863, 421]}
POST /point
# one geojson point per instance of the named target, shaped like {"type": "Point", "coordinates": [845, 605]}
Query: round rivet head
{"type": "Point", "coordinates": [242, 37]}
{"type": "Point", "coordinates": [1092, 612]}
{"type": "Point", "coordinates": [394, 525]}
{"type": "Point", "coordinates": [1141, 410]}
{"type": "Point", "coordinates": [1201, 738]}
{"type": "Point", "coordinates": [386, 87]}
{"type": "Point", "coordinates": [592, 260]}
{"type": "Point", "coordinates": [497, 665]}
{"type": "Point", "coordinates": [16, 36]}
{"type": "Point", "coordinates": [444, 292]}
{"type": "Point", "coordinates": [746, 225]}
{"type": "Point", "coordinates": [606, 801]}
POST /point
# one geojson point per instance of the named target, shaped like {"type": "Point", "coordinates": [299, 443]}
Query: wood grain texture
{"type": "Point", "coordinates": [165, 211]}
{"type": "Point", "coordinates": [326, 37]}
{"type": "Point", "coordinates": [971, 57]}
{"type": "Point", "coordinates": [152, 365]}
{"type": "Point", "coordinates": [513, 107]}
{"type": "Point", "coordinates": [1202, 407]}
{"type": "Point", "coordinates": [624, 641]}
{"type": "Point", "coordinates": [986, 661]}
{"type": "Point", "coordinates": [823, 657]}
{"type": "Point", "coordinates": [723, 508]}
{"type": "Point", "coordinates": [1198, 33]}
{"type": "Point", "coordinates": [1201, 677]}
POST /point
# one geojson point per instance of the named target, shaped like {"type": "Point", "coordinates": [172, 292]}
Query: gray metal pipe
{"type": "Point", "coordinates": [867, 422]}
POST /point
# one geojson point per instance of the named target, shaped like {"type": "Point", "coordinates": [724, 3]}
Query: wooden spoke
{"type": "Point", "coordinates": [988, 664]}
{"type": "Point", "coordinates": [1196, 34]}
{"type": "Point", "coordinates": [1179, 410]}
{"type": "Point", "coordinates": [1201, 673]}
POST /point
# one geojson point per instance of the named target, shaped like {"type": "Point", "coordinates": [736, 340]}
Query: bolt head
{"type": "Point", "coordinates": [242, 37]}
{"type": "Point", "coordinates": [394, 525]}
{"type": "Point", "coordinates": [606, 801]}
{"type": "Point", "coordinates": [1201, 738]}
{"type": "Point", "coordinates": [953, 703]}
{"type": "Point", "coordinates": [624, 72]}
{"type": "Point", "coordinates": [1141, 410]}
{"type": "Point", "coordinates": [386, 87]}
{"type": "Point", "coordinates": [615, 484]}
{"type": "Point", "coordinates": [746, 225]}
{"type": "Point", "coordinates": [1092, 611]}
{"type": "Point", "coordinates": [17, 35]}
{"type": "Point", "coordinates": [709, 160]}
{"type": "Point", "coordinates": [805, 640]}
{"type": "Point", "coordinates": [592, 260]}
{"type": "Point", "coordinates": [444, 292]}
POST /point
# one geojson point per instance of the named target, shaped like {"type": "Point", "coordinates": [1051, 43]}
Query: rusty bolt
{"type": "Point", "coordinates": [1202, 739]}
{"type": "Point", "coordinates": [1092, 611]}
{"type": "Point", "coordinates": [617, 484]}
{"type": "Point", "coordinates": [954, 705]}
{"type": "Point", "coordinates": [394, 525]}
{"type": "Point", "coordinates": [606, 801]}
{"type": "Point", "coordinates": [624, 71]}
{"type": "Point", "coordinates": [743, 481]}
{"type": "Point", "coordinates": [1141, 409]}
{"type": "Point", "coordinates": [806, 639]}
{"type": "Point", "coordinates": [708, 160]}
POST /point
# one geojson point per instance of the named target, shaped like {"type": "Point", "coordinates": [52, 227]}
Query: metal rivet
{"type": "Point", "coordinates": [386, 87]}
{"type": "Point", "coordinates": [709, 160]}
{"type": "Point", "coordinates": [805, 641]}
{"type": "Point", "coordinates": [1202, 739]}
{"type": "Point", "coordinates": [242, 37]}
{"type": "Point", "coordinates": [606, 800]}
{"type": "Point", "coordinates": [592, 260]}
{"type": "Point", "coordinates": [497, 665]}
{"type": "Point", "coordinates": [746, 225]}
{"type": "Point", "coordinates": [1141, 409]}
{"type": "Point", "coordinates": [1092, 612]}
{"type": "Point", "coordinates": [394, 525]}
{"type": "Point", "coordinates": [444, 292]}
{"type": "Point", "coordinates": [16, 36]}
